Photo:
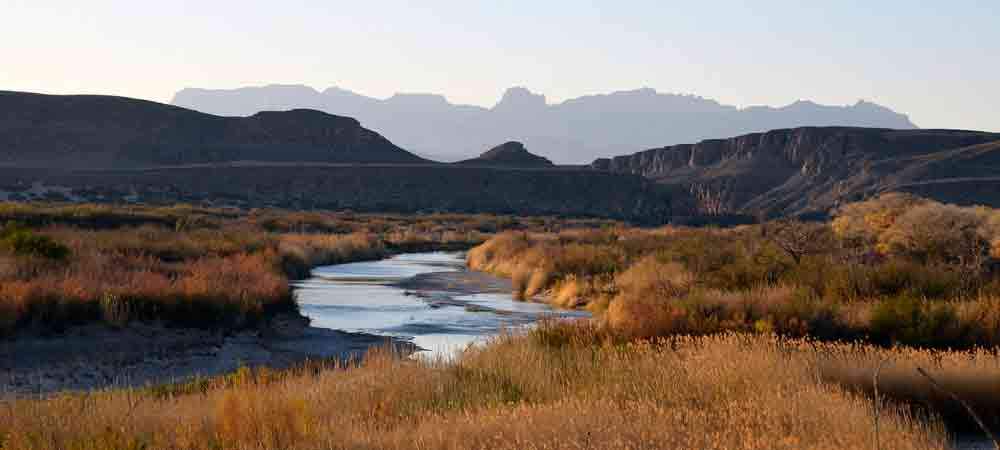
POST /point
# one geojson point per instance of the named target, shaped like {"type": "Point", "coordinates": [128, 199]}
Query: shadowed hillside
{"type": "Point", "coordinates": [76, 131]}
{"type": "Point", "coordinates": [376, 188]}
{"type": "Point", "coordinates": [812, 169]}
{"type": "Point", "coordinates": [121, 150]}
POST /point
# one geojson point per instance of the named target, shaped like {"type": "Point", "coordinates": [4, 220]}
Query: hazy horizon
{"type": "Point", "coordinates": [486, 104]}
{"type": "Point", "coordinates": [936, 63]}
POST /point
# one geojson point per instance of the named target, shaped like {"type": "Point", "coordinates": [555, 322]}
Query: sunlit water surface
{"type": "Point", "coordinates": [360, 297]}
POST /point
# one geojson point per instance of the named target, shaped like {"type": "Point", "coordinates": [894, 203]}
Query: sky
{"type": "Point", "coordinates": [937, 61]}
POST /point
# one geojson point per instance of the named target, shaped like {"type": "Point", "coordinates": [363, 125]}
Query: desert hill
{"type": "Point", "coordinates": [813, 169]}
{"type": "Point", "coordinates": [120, 150]}
{"type": "Point", "coordinates": [510, 154]}
{"type": "Point", "coordinates": [76, 131]}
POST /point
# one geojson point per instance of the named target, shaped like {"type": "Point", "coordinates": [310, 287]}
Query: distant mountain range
{"type": "Point", "coordinates": [572, 132]}
{"type": "Point", "coordinates": [116, 149]}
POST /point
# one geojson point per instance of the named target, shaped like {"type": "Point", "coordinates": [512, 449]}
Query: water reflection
{"type": "Point", "coordinates": [361, 297]}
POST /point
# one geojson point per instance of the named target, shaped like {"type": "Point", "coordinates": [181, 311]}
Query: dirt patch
{"type": "Point", "coordinates": [97, 357]}
{"type": "Point", "coordinates": [461, 283]}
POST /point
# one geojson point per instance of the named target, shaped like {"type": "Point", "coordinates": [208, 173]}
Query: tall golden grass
{"type": "Point", "coordinates": [722, 392]}
{"type": "Point", "coordinates": [825, 281]}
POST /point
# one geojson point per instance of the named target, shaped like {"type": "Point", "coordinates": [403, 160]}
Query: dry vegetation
{"type": "Point", "coordinates": [64, 265]}
{"type": "Point", "coordinates": [536, 391]}
{"type": "Point", "coordinates": [894, 270]}
{"type": "Point", "coordinates": [756, 337]}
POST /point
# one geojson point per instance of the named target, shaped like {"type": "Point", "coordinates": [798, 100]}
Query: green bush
{"type": "Point", "coordinates": [909, 320]}
{"type": "Point", "coordinates": [22, 242]}
{"type": "Point", "coordinates": [890, 279]}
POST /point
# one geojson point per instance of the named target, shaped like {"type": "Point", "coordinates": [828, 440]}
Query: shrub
{"type": "Point", "coordinates": [911, 321]}
{"type": "Point", "coordinates": [862, 223]}
{"type": "Point", "coordinates": [933, 232]}
{"type": "Point", "coordinates": [22, 242]}
{"type": "Point", "coordinates": [800, 239]}
{"type": "Point", "coordinates": [115, 310]}
{"type": "Point", "coordinates": [651, 276]}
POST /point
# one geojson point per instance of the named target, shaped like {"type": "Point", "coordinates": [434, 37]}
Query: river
{"type": "Point", "coordinates": [380, 297]}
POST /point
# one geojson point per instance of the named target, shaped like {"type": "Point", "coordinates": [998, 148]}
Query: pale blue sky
{"type": "Point", "coordinates": [938, 61]}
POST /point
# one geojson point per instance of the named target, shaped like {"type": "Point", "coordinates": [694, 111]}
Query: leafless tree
{"type": "Point", "coordinates": [799, 239]}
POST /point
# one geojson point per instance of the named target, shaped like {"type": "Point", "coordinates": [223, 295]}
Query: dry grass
{"type": "Point", "coordinates": [765, 278]}
{"type": "Point", "coordinates": [71, 264]}
{"type": "Point", "coordinates": [722, 392]}
{"type": "Point", "coordinates": [973, 375]}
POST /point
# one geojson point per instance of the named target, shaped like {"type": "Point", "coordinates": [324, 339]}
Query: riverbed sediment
{"type": "Point", "coordinates": [141, 354]}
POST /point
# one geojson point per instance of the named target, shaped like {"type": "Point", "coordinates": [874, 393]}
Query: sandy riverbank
{"type": "Point", "coordinates": [461, 283]}
{"type": "Point", "coordinates": [97, 356]}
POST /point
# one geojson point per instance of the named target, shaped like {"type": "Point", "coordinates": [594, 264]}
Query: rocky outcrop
{"type": "Point", "coordinates": [510, 154]}
{"type": "Point", "coordinates": [794, 171]}
{"type": "Point", "coordinates": [88, 131]}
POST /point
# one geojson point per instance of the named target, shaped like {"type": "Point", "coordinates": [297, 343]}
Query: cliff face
{"type": "Point", "coordinates": [79, 131]}
{"type": "Point", "coordinates": [803, 170]}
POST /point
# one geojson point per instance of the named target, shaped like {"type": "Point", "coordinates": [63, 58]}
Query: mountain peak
{"type": "Point", "coordinates": [418, 100]}
{"type": "Point", "coordinates": [573, 130]}
{"type": "Point", "coordinates": [518, 98]}
{"type": "Point", "coordinates": [512, 154]}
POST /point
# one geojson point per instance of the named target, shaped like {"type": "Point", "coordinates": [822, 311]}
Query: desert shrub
{"type": "Point", "coordinates": [981, 319]}
{"type": "Point", "coordinates": [861, 224]}
{"type": "Point", "coordinates": [652, 276]}
{"type": "Point", "coordinates": [892, 278]}
{"type": "Point", "coordinates": [299, 253]}
{"type": "Point", "coordinates": [23, 242]}
{"type": "Point", "coordinates": [115, 310]}
{"type": "Point", "coordinates": [646, 317]}
{"type": "Point", "coordinates": [647, 302]}
{"type": "Point", "coordinates": [800, 239]}
{"type": "Point", "coordinates": [909, 320]}
{"type": "Point", "coordinates": [934, 232]}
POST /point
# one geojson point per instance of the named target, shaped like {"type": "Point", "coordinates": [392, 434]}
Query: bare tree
{"type": "Point", "coordinates": [799, 239]}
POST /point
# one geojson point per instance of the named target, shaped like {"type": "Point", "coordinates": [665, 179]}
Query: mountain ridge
{"type": "Point", "coordinates": [121, 150]}
{"type": "Point", "coordinates": [814, 169]}
{"type": "Point", "coordinates": [572, 131]}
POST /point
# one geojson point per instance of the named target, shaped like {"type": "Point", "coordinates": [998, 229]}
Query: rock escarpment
{"type": "Point", "coordinates": [813, 169]}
